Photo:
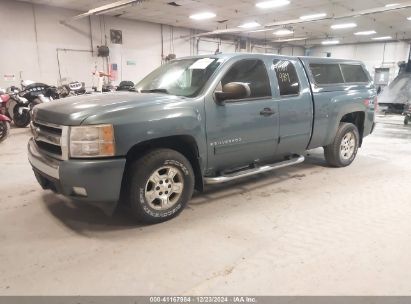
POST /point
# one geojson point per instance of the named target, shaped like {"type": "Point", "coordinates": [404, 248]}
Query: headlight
{"type": "Point", "coordinates": [92, 141]}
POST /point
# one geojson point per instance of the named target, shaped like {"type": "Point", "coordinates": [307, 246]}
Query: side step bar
{"type": "Point", "coordinates": [230, 177]}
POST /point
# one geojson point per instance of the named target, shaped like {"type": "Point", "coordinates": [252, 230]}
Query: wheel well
{"type": "Point", "coordinates": [356, 118]}
{"type": "Point", "coordinates": [183, 144]}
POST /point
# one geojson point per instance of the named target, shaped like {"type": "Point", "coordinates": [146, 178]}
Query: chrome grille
{"type": "Point", "coordinates": [51, 139]}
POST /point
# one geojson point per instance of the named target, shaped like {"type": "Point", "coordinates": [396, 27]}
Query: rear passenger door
{"type": "Point", "coordinates": [295, 106]}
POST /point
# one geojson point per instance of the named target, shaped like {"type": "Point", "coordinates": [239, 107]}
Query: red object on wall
{"type": "Point", "coordinates": [113, 71]}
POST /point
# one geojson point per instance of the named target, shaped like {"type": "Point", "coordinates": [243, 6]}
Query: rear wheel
{"type": "Point", "coordinates": [159, 185]}
{"type": "Point", "coordinates": [343, 150]}
{"type": "Point", "coordinates": [21, 117]}
{"type": "Point", "coordinates": [4, 130]}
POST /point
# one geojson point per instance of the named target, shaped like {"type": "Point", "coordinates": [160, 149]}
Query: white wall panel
{"type": "Point", "coordinates": [292, 51]}
{"type": "Point", "coordinates": [209, 46]}
{"type": "Point", "coordinates": [33, 53]}
{"type": "Point", "coordinates": [264, 49]}
{"type": "Point", "coordinates": [18, 52]}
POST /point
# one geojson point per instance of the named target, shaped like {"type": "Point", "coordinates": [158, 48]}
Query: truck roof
{"type": "Point", "coordinates": [259, 55]}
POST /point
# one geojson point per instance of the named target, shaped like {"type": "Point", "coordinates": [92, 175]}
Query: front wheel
{"type": "Point", "coordinates": [4, 130]}
{"type": "Point", "coordinates": [343, 150]}
{"type": "Point", "coordinates": [21, 117]}
{"type": "Point", "coordinates": [159, 185]}
{"type": "Point", "coordinates": [406, 120]}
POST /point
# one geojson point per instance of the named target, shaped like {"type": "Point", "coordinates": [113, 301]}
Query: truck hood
{"type": "Point", "coordinates": [73, 111]}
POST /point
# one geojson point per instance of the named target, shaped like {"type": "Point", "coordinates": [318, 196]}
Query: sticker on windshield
{"type": "Point", "coordinates": [201, 64]}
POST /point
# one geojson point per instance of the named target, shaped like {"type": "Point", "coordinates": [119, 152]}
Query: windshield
{"type": "Point", "coordinates": [185, 77]}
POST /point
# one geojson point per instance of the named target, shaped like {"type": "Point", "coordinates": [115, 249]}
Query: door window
{"type": "Point", "coordinates": [253, 73]}
{"type": "Point", "coordinates": [287, 77]}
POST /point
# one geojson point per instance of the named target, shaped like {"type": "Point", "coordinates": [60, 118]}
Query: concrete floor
{"type": "Point", "coordinates": [304, 230]}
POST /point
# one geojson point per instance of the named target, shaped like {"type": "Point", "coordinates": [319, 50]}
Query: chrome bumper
{"type": "Point", "coordinates": [45, 164]}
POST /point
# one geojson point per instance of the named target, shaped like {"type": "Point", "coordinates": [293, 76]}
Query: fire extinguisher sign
{"type": "Point", "coordinates": [9, 77]}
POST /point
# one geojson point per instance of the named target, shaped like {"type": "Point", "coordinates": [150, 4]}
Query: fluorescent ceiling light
{"type": "Point", "coordinates": [409, 18]}
{"type": "Point", "coordinates": [250, 25]}
{"type": "Point", "coordinates": [262, 30]}
{"type": "Point", "coordinates": [392, 4]}
{"type": "Point", "coordinates": [313, 16]}
{"type": "Point", "coordinates": [203, 16]}
{"type": "Point", "coordinates": [283, 32]}
{"type": "Point", "coordinates": [291, 39]}
{"type": "Point", "coordinates": [272, 3]}
{"type": "Point", "coordinates": [382, 38]}
{"type": "Point", "coordinates": [330, 42]}
{"type": "Point", "coordinates": [365, 33]}
{"type": "Point", "coordinates": [343, 26]}
{"type": "Point", "coordinates": [107, 8]}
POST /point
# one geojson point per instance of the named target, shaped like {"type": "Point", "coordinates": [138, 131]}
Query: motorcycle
{"type": "Point", "coordinates": [125, 86]}
{"type": "Point", "coordinates": [407, 113]}
{"type": "Point", "coordinates": [71, 89]}
{"type": "Point", "coordinates": [23, 101]}
{"type": "Point", "coordinates": [17, 108]}
{"type": "Point", "coordinates": [13, 106]}
{"type": "Point", "coordinates": [4, 119]}
{"type": "Point", "coordinates": [4, 127]}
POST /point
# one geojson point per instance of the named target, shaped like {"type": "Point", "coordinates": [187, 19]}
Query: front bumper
{"type": "Point", "coordinates": [101, 178]}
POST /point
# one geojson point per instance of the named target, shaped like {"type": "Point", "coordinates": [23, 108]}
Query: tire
{"type": "Point", "coordinates": [343, 150]}
{"type": "Point", "coordinates": [406, 121]}
{"type": "Point", "coordinates": [21, 120]}
{"type": "Point", "coordinates": [153, 195]}
{"type": "Point", "coordinates": [4, 130]}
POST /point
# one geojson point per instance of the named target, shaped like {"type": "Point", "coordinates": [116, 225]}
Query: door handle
{"type": "Point", "coordinates": [267, 112]}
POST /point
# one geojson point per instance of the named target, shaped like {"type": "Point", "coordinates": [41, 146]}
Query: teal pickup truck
{"type": "Point", "coordinates": [196, 121]}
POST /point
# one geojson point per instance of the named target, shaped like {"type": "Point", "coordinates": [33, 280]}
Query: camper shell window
{"type": "Point", "coordinates": [334, 73]}
{"type": "Point", "coordinates": [353, 73]}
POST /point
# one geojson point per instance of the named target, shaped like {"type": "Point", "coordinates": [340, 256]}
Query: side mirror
{"type": "Point", "coordinates": [232, 91]}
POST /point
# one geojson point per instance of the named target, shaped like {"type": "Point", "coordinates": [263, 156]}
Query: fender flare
{"type": "Point", "coordinates": [335, 123]}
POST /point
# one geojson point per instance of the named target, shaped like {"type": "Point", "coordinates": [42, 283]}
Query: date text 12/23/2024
{"type": "Point", "coordinates": [203, 299]}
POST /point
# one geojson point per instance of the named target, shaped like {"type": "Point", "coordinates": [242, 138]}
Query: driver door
{"type": "Point", "coordinates": [244, 131]}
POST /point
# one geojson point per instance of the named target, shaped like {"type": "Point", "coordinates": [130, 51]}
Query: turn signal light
{"type": "Point", "coordinates": [368, 103]}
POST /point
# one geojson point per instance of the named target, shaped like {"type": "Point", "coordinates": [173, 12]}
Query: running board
{"type": "Point", "coordinates": [253, 171]}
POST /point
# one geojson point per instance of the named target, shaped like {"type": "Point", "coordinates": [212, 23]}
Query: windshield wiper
{"type": "Point", "coordinates": [155, 91]}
